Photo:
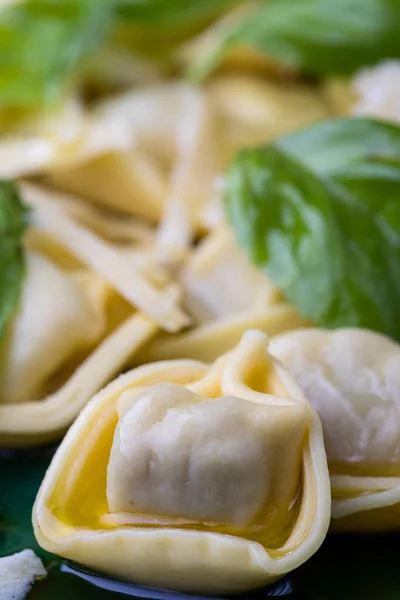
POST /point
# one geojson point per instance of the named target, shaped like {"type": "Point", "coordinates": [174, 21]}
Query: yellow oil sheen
{"type": "Point", "coordinates": [80, 498]}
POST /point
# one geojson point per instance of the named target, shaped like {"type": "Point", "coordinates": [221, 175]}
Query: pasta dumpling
{"type": "Point", "coordinates": [219, 281]}
{"type": "Point", "coordinates": [256, 110]}
{"type": "Point", "coordinates": [123, 181]}
{"type": "Point", "coordinates": [351, 376]}
{"type": "Point", "coordinates": [70, 334]}
{"type": "Point", "coordinates": [203, 478]}
{"type": "Point", "coordinates": [226, 295]}
{"type": "Point", "coordinates": [56, 316]}
{"type": "Point", "coordinates": [169, 446]}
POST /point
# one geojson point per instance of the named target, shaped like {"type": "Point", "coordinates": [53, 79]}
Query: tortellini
{"type": "Point", "coordinates": [189, 476]}
{"type": "Point", "coordinates": [226, 295]}
{"type": "Point", "coordinates": [70, 334]}
{"type": "Point", "coordinates": [57, 316]}
{"type": "Point", "coordinates": [219, 281]}
{"type": "Point", "coordinates": [352, 378]}
{"type": "Point", "coordinates": [123, 181]}
{"type": "Point", "coordinates": [167, 173]}
{"type": "Point", "coordinates": [256, 110]}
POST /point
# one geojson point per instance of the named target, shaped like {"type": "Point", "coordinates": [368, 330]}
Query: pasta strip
{"type": "Point", "coordinates": [118, 228]}
{"type": "Point", "coordinates": [105, 260]}
{"type": "Point", "coordinates": [192, 179]}
{"type": "Point", "coordinates": [206, 342]}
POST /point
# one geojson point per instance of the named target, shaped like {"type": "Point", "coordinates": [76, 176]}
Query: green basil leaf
{"type": "Point", "coordinates": [319, 211]}
{"type": "Point", "coordinates": [13, 222]}
{"type": "Point", "coordinates": [324, 37]}
{"type": "Point", "coordinates": [42, 42]}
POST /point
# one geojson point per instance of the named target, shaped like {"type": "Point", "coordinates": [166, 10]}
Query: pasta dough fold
{"type": "Point", "coordinates": [351, 376]}
{"type": "Point", "coordinates": [77, 322]}
{"type": "Point", "coordinates": [57, 317]}
{"type": "Point", "coordinates": [195, 477]}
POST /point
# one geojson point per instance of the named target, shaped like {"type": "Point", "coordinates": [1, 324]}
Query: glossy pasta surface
{"type": "Point", "coordinates": [159, 459]}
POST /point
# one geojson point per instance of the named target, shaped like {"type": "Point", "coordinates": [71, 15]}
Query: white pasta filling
{"type": "Point", "coordinates": [177, 454]}
{"type": "Point", "coordinates": [352, 378]}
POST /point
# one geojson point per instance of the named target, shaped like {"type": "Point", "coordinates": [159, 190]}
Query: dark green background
{"type": "Point", "coordinates": [346, 567]}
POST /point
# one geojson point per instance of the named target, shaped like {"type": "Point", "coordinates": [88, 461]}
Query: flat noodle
{"type": "Point", "coordinates": [197, 165]}
{"type": "Point", "coordinates": [206, 342]}
{"type": "Point", "coordinates": [152, 115]}
{"type": "Point", "coordinates": [346, 484]}
{"type": "Point", "coordinates": [111, 226]}
{"type": "Point", "coordinates": [173, 128]}
{"type": "Point", "coordinates": [106, 260]}
{"type": "Point", "coordinates": [94, 136]}
{"type": "Point", "coordinates": [146, 262]}
{"type": "Point", "coordinates": [129, 181]}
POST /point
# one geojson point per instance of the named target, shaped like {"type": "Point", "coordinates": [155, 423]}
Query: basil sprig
{"type": "Point", "coordinates": [323, 37]}
{"type": "Point", "coordinates": [13, 222]}
{"type": "Point", "coordinates": [319, 212]}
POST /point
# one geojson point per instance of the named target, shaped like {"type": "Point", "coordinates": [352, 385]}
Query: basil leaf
{"type": "Point", "coordinates": [42, 42]}
{"type": "Point", "coordinates": [319, 211]}
{"type": "Point", "coordinates": [13, 222]}
{"type": "Point", "coordinates": [323, 37]}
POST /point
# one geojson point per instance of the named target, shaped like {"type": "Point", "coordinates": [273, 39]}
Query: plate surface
{"type": "Point", "coordinates": [346, 567]}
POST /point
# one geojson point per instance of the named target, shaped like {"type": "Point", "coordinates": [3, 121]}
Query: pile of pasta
{"type": "Point", "coordinates": [129, 257]}
{"type": "Point", "coordinates": [130, 261]}
{"type": "Point", "coordinates": [206, 478]}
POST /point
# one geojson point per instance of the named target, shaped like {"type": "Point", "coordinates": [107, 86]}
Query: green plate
{"type": "Point", "coordinates": [346, 567]}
